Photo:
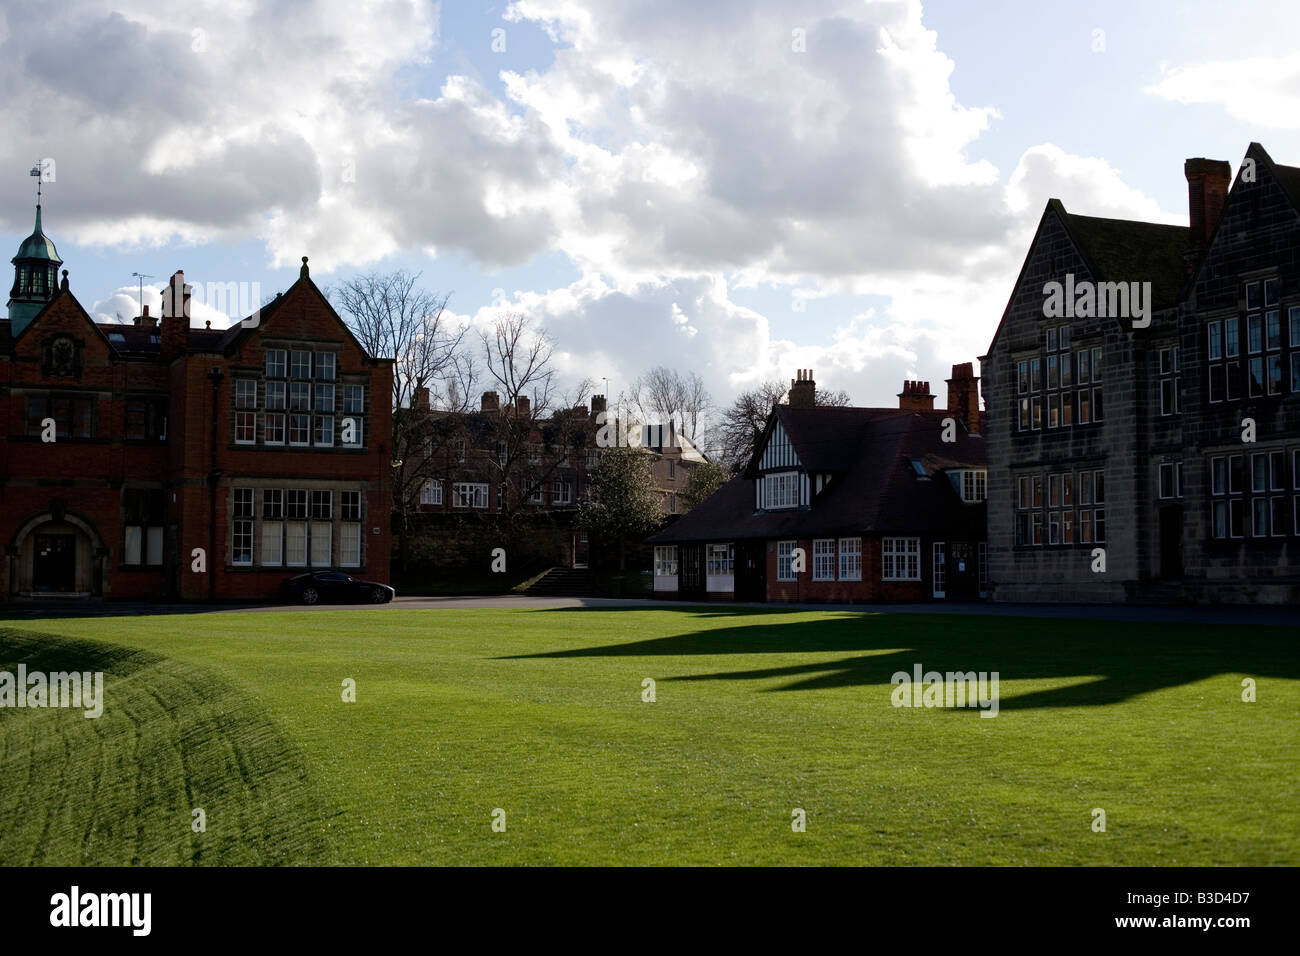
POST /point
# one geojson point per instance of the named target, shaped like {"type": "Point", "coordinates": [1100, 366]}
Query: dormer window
{"type": "Point", "coordinates": [780, 490]}
{"type": "Point", "coordinates": [919, 468]}
{"type": "Point", "coordinates": [974, 485]}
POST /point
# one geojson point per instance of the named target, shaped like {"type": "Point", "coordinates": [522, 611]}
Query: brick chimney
{"type": "Point", "coordinates": [916, 397]}
{"type": "Point", "coordinates": [803, 390]}
{"type": "Point", "coordinates": [597, 404]}
{"type": "Point", "coordinates": [1207, 190]}
{"type": "Point", "coordinates": [421, 399]}
{"type": "Point", "coordinates": [491, 402]}
{"type": "Point", "coordinates": [175, 333]}
{"type": "Point", "coordinates": [964, 396]}
{"type": "Point", "coordinates": [146, 320]}
{"type": "Point", "coordinates": [524, 406]}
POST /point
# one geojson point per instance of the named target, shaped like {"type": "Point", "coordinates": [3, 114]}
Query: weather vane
{"type": "Point", "coordinates": [36, 171]}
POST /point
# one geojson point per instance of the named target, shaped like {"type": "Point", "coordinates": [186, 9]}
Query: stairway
{"type": "Point", "coordinates": [563, 582]}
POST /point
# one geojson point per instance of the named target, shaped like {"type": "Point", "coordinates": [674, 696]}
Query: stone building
{"type": "Point", "coordinates": [1143, 394]}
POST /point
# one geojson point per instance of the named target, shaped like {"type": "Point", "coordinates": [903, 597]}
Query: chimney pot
{"type": "Point", "coordinates": [803, 390]}
{"type": "Point", "coordinates": [916, 396]}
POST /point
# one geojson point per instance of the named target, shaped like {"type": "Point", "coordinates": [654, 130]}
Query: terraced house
{"type": "Point", "coordinates": [844, 505]}
{"type": "Point", "coordinates": [509, 458]}
{"type": "Point", "coordinates": [1171, 440]}
{"type": "Point", "coordinates": [156, 459]}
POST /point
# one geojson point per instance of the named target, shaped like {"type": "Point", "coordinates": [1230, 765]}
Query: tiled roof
{"type": "Point", "coordinates": [131, 338]}
{"type": "Point", "coordinates": [1124, 250]}
{"type": "Point", "coordinates": [874, 489]}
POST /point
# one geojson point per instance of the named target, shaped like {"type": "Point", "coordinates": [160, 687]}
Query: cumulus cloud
{"type": "Point", "coordinates": [123, 305]}
{"type": "Point", "coordinates": [672, 151]}
{"type": "Point", "coordinates": [1261, 90]}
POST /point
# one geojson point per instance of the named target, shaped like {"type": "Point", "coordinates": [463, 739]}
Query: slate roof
{"type": "Point", "coordinates": [874, 488]}
{"type": "Point", "coordinates": [1125, 250]}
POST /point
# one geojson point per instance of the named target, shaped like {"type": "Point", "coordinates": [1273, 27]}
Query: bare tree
{"type": "Point", "coordinates": [392, 317]}
{"type": "Point", "coordinates": [838, 398]}
{"type": "Point", "coordinates": [538, 428]}
{"type": "Point", "coordinates": [743, 422]}
{"type": "Point", "coordinates": [664, 395]}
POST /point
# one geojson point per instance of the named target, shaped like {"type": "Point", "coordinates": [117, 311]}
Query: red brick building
{"type": "Point", "coordinates": [843, 505]}
{"type": "Point", "coordinates": [509, 458]}
{"type": "Point", "coordinates": [158, 460]}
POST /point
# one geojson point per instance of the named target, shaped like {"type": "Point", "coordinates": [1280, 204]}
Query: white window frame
{"type": "Point", "coordinates": [974, 485]}
{"type": "Point", "coordinates": [272, 535]}
{"type": "Point", "coordinates": [243, 400]}
{"type": "Point", "coordinates": [246, 424]}
{"type": "Point", "coordinates": [277, 363]}
{"type": "Point", "coordinates": [785, 561]}
{"type": "Point", "coordinates": [431, 493]}
{"type": "Point", "coordinates": [850, 559]}
{"type": "Point", "coordinates": [350, 530]}
{"type": "Point", "coordinates": [900, 559]}
{"type": "Point", "coordinates": [781, 490]}
{"type": "Point", "coordinates": [562, 492]}
{"type": "Point", "coordinates": [823, 559]}
{"type": "Point", "coordinates": [329, 360]}
{"type": "Point", "coordinates": [720, 559]}
{"type": "Point", "coordinates": [320, 533]}
{"type": "Point", "coordinates": [290, 527]}
{"type": "Point", "coordinates": [939, 568]}
{"type": "Point", "coordinates": [665, 560]}
{"type": "Point", "coordinates": [468, 494]}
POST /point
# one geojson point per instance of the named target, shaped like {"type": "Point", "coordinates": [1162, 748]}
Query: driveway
{"type": "Point", "coordinates": [1243, 615]}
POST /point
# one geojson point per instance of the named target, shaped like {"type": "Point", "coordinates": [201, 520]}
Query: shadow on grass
{"type": "Point", "coordinates": [1108, 662]}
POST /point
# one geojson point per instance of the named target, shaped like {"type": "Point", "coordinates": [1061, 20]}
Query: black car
{"type": "Point", "coordinates": [336, 587]}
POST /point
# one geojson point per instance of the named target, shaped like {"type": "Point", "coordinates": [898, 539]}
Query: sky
{"type": "Point", "coordinates": [739, 189]}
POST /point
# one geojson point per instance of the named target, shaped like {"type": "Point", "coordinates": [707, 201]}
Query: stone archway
{"type": "Point", "coordinates": [56, 554]}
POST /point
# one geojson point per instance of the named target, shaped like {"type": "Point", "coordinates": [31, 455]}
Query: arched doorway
{"type": "Point", "coordinates": [57, 555]}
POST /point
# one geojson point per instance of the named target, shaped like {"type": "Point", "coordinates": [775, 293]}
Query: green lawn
{"type": "Point", "coordinates": [539, 712]}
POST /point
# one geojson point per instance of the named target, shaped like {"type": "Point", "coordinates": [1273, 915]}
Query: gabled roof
{"type": "Point", "coordinates": [234, 335]}
{"type": "Point", "coordinates": [1288, 177]}
{"type": "Point", "coordinates": [1125, 250]}
{"type": "Point", "coordinates": [875, 489]}
{"type": "Point", "coordinates": [1117, 250]}
{"type": "Point", "coordinates": [824, 436]}
{"type": "Point", "coordinates": [58, 297]}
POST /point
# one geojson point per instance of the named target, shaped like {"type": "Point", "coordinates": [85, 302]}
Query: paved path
{"type": "Point", "coordinates": [1241, 615]}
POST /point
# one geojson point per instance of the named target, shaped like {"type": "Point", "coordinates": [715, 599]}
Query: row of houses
{"type": "Point", "coordinates": [472, 461]}
{"type": "Point", "coordinates": [1140, 439]}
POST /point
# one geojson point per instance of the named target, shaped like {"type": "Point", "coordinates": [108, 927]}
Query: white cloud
{"type": "Point", "coordinates": [1261, 90]}
{"type": "Point", "coordinates": [671, 150]}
